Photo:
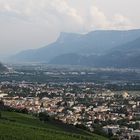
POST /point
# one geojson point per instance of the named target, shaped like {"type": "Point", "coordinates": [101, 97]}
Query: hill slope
{"type": "Point", "coordinates": [20, 126]}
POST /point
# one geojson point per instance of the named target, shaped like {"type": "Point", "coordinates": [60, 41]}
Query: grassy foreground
{"type": "Point", "coordinates": [17, 126]}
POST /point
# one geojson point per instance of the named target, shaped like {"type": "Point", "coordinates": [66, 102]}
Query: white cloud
{"type": "Point", "coordinates": [54, 13]}
{"type": "Point", "coordinates": [58, 13]}
{"type": "Point", "coordinates": [98, 20]}
{"type": "Point", "coordinates": [121, 22]}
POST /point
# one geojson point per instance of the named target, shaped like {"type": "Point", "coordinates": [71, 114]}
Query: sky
{"type": "Point", "coordinates": [31, 24]}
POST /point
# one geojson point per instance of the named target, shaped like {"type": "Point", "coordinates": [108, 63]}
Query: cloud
{"type": "Point", "coordinates": [60, 14]}
{"type": "Point", "coordinates": [121, 22]}
{"type": "Point", "coordinates": [52, 13]}
{"type": "Point", "coordinates": [98, 20]}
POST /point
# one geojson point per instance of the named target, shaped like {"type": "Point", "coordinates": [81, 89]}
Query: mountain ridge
{"type": "Point", "coordinates": [126, 55]}
{"type": "Point", "coordinates": [94, 43]}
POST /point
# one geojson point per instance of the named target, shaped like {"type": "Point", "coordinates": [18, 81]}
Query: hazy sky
{"type": "Point", "coordinates": [27, 24]}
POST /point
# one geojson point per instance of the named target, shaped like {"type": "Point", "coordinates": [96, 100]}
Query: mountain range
{"type": "Point", "coordinates": [103, 48]}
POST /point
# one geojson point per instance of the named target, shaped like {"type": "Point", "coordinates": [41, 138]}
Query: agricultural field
{"type": "Point", "coordinates": [17, 126]}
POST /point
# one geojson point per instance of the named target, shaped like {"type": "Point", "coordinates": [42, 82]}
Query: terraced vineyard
{"type": "Point", "coordinates": [16, 126]}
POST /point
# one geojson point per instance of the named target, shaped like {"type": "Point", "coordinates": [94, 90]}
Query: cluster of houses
{"type": "Point", "coordinates": [116, 113]}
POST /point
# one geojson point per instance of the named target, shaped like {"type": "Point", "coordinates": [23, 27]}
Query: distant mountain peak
{"type": "Point", "coordinates": [67, 36]}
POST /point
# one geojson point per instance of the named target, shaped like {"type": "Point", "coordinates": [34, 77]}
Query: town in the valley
{"type": "Point", "coordinates": [85, 105]}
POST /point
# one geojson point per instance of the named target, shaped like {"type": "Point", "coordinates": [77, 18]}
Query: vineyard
{"type": "Point", "coordinates": [16, 126]}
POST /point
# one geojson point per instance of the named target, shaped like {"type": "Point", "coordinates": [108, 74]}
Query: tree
{"type": "Point", "coordinates": [25, 111]}
{"type": "Point", "coordinates": [44, 116]}
{"type": "Point", "coordinates": [1, 105]}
